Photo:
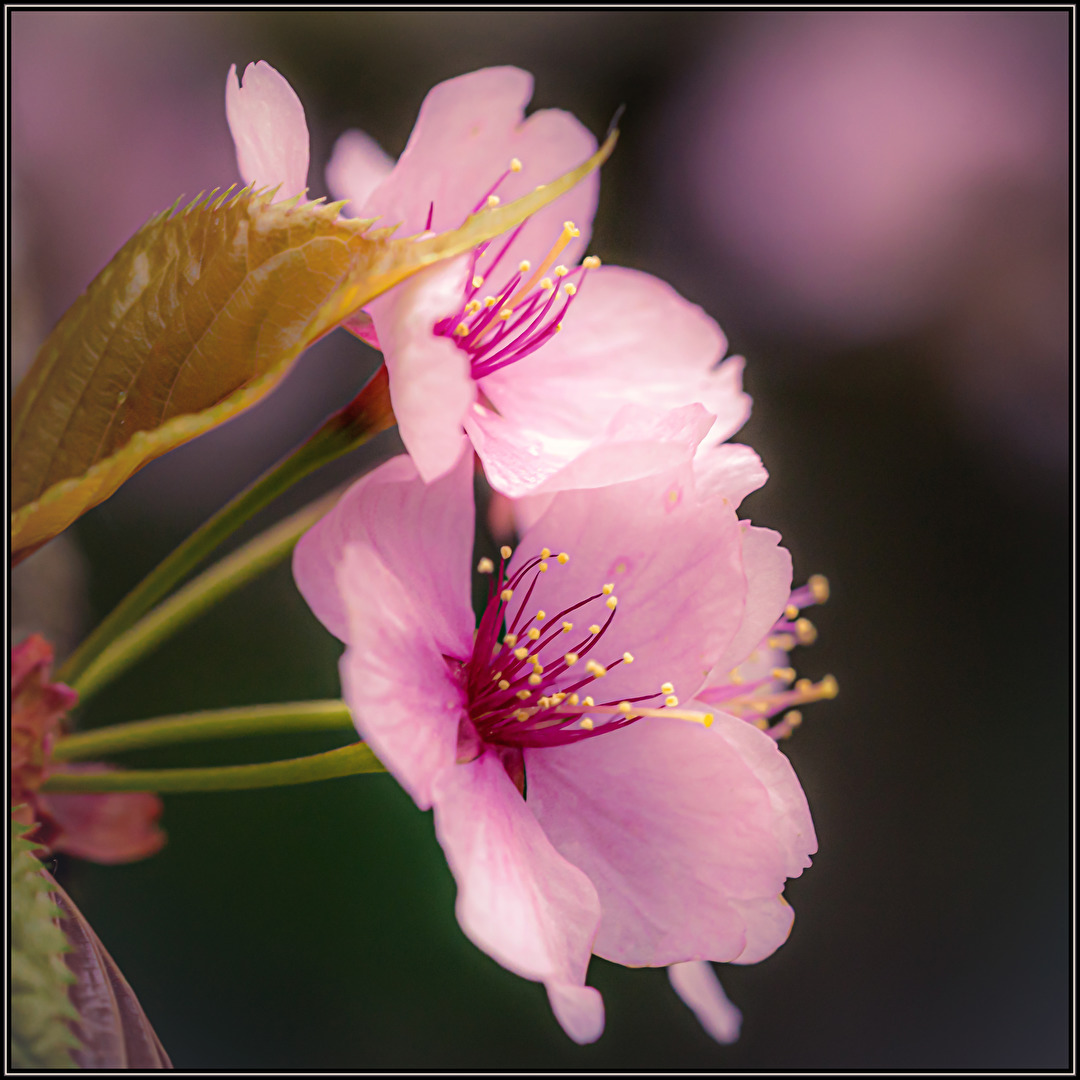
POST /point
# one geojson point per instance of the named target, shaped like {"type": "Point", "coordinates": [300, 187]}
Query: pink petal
{"type": "Point", "coordinates": [730, 470]}
{"type": "Point", "coordinates": [466, 134]}
{"type": "Point", "coordinates": [518, 899]}
{"type": "Point", "coordinates": [768, 579]}
{"type": "Point", "coordinates": [430, 385]}
{"type": "Point", "coordinates": [114, 828]}
{"type": "Point", "coordinates": [696, 983]}
{"type": "Point", "coordinates": [628, 338]}
{"type": "Point", "coordinates": [637, 442]}
{"type": "Point", "coordinates": [422, 533]}
{"type": "Point", "coordinates": [357, 166]}
{"type": "Point", "coordinates": [268, 126]}
{"type": "Point", "coordinates": [404, 699]}
{"type": "Point", "coordinates": [681, 832]}
{"type": "Point", "coordinates": [676, 565]}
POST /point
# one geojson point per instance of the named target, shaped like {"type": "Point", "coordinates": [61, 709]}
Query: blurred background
{"type": "Point", "coordinates": [875, 208]}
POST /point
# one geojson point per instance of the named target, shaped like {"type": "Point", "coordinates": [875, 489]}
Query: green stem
{"type": "Point", "coordinates": [236, 569]}
{"type": "Point", "coordinates": [368, 414]}
{"type": "Point", "coordinates": [345, 761]}
{"type": "Point", "coordinates": [293, 716]}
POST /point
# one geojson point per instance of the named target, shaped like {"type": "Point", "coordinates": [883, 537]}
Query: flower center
{"type": "Point", "coordinates": [525, 311]}
{"type": "Point", "coordinates": [527, 688]}
{"type": "Point", "coordinates": [764, 685]}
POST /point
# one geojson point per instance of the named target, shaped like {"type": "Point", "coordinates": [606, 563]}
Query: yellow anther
{"type": "Point", "coordinates": [490, 301]}
{"type": "Point", "coordinates": [472, 307]}
{"type": "Point", "coordinates": [461, 329]}
{"type": "Point", "coordinates": [503, 684]}
{"type": "Point", "coordinates": [671, 701]}
{"type": "Point", "coordinates": [562, 558]}
{"type": "Point", "coordinates": [515, 165]}
{"type": "Point", "coordinates": [574, 699]}
{"type": "Point", "coordinates": [625, 707]}
{"type": "Point", "coordinates": [782, 641]}
{"type": "Point", "coordinates": [819, 587]}
{"type": "Point", "coordinates": [567, 627]}
{"type": "Point", "coordinates": [591, 262]}
{"type": "Point", "coordinates": [607, 590]}
{"type": "Point", "coordinates": [523, 695]}
{"type": "Point", "coordinates": [828, 687]}
{"type": "Point", "coordinates": [761, 723]}
{"type": "Point", "coordinates": [493, 200]}
{"type": "Point", "coordinates": [545, 553]}
{"type": "Point", "coordinates": [496, 677]}
{"type": "Point", "coordinates": [595, 628]}
{"type": "Point", "coordinates": [510, 640]}
{"type": "Point", "coordinates": [611, 601]}
{"type": "Point", "coordinates": [587, 723]}
{"type": "Point", "coordinates": [595, 669]}
{"type": "Point", "coordinates": [793, 718]}
{"type": "Point", "coordinates": [759, 706]}
{"type": "Point", "coordinates": [667, 688]}
{"type": "Point", "coordinates": [535, 680]}
{"type": "Point", "coordinates": [805, 632]}
{"type": "Point", "coordinates": [571, 228]}
{"type": "Point", "coordinates": [506, 313]}
{"type": "Point", "coordinates": [588, 703]}
{"type": "Point", "coordinates": [558, 698]}
{"type": "Point", "coordinates": [477, 281]}
{"type": "Point", "coordinates": [558, 327]}
{"type": "Point", "coordinates": [570, 288]}
{"type": "Point", "coordinates": [524, 266]}
{"type": "Point", "coordinates": [707, 719]}
{"type": "Point", "coordinates": [537, 666]}
{"type": "Point", "coordinates": [571, 659]}
{"type": "Point", "coordinates": [543, 567]}
{"type": "Point", "coordinates": [791, 612]}
{"type": "Point", "coordinates": [485, 566]}
{"type": "Point", "coordinates": [544, 702]}
{"type": "Point", "coordinates": [735, 678]}
{"type": "Point", "coordinates": [547, 284]}
{"type": "Point", "coordinates": [785, 673]}
{"type": "Point", "coordinates": [541, 616]}
{"type": "Point", "coordinates": [506, 594]}
{"type": "Point", "coordinates": [521, 714]}
{"type": "Point", "coordinates": [804, 686]}
{"type": "Point", "coordinates": [505, 551]}
{"type": "Point", "coordinates": [627, 658]}
{"type": "Point", "coordinates": [533, 634]}
{"type": "Point", "coordinates": [521, 653]}
{"type": "Point", "coordinates": [560, 271]}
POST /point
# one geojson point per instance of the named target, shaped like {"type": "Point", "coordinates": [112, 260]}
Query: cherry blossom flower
{"type": "Point", "coordinates": [538, 353]}
{"type": "Point", "coordinates": [581, 807]}
{"type": "Point", "coordinates": [112, 828]}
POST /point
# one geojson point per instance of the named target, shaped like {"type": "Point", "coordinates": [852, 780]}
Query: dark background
{"type": "Point", "coordinates": [910, 375]}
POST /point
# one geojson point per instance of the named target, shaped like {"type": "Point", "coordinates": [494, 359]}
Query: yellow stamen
{"type": "Point", "coordinates": [611, 601]}
{"type": "Point", "coordinates": [570, 231]}
{"type": "Point", "coordinates": [819, 587]}
{"type": "Point", "coordinates": [535, 680]}
{"type": "Point", "coordinates": [570, 288]}
{"type": "Point", "coordinates": [625, 707]}
{"type": "Point", "coordinates": [574, 699]}
{"type": "Point", "coordinates": [493, 200]}
{"type": "Point", "coordinates": [541, 616]}
{"type": "Point", "coordinates": [510, 640]}
{"type": "Point", "coordinates": [506, 551]}
{"type": "Point", "coordinates": [521, 714]}
{"type": "Point", "coordinates": [667, 688]}
{"type": "Point", "coordinates": [477, 281]}
{"type": "Point", "coordinates": [791, 611]}
{"type": "Point", "coordinates": [533, 633]}
{"type": "Point", "coordinates": [524, 266]}
{"type": "Point", "coordinates": [787, 674]}
{"type": "Point", "coordinates": [523, 695]}
{"type": "Point", "coordinates": [591, 262]}
{"type": "Point", "coordinates": [806, 632]}
{"type": "Point", "coordinates": [571, 659]}
{"type": "Point", "coordinates": [543, 567]}
{"type": "Point", "coordinates": [485, 566]}
{"type": "Point", "coordinates": [515, 165]}
{"type": "Point", "coordinates": [595, 628]}
{"type": "Point", "coordinates": [521, 653]}
{"type": "Point", "coordinates": [589, 703]}
{"type": "Point", "coordinates": [506, 594]}
{"type": "Point", "coordinates": [503, 684]}
{"type": "Point", "coordinates": [627, 658]}
{"type": "Point", "coordinates": [461, 329]}
{"type": "Point", "coordinates": [593, 668]}
{"type": "Point", "coordinates": [545, 553]}
{"type": "Point", "coordinates": [562, 558]}
{"type": "Point", "coordinates": [607, 590]}
{"type": "Point", "coordinates": [671, 701]}
{"type": "Point", "coordinates": [587, 723]}
{"type": "Point", "coordinates": [567, 627]}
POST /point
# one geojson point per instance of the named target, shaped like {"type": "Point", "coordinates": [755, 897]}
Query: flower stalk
{"type": "Point", "coordinates": [369, 413]}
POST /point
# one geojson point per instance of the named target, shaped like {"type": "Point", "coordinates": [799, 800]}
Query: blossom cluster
{"type": "Point", "coordinates": [599, 746]}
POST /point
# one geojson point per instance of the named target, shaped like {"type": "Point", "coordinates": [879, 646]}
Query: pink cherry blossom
{"type": "Point", "coordinates": [112, 828]}
{"type": "Point", "coordinates": [581, 808]}
{"type": "Point", "coordinates": [537, 353]}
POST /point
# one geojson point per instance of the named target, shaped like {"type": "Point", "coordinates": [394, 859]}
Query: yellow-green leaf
{"type": "Point", "coordinates": [198, 316]}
